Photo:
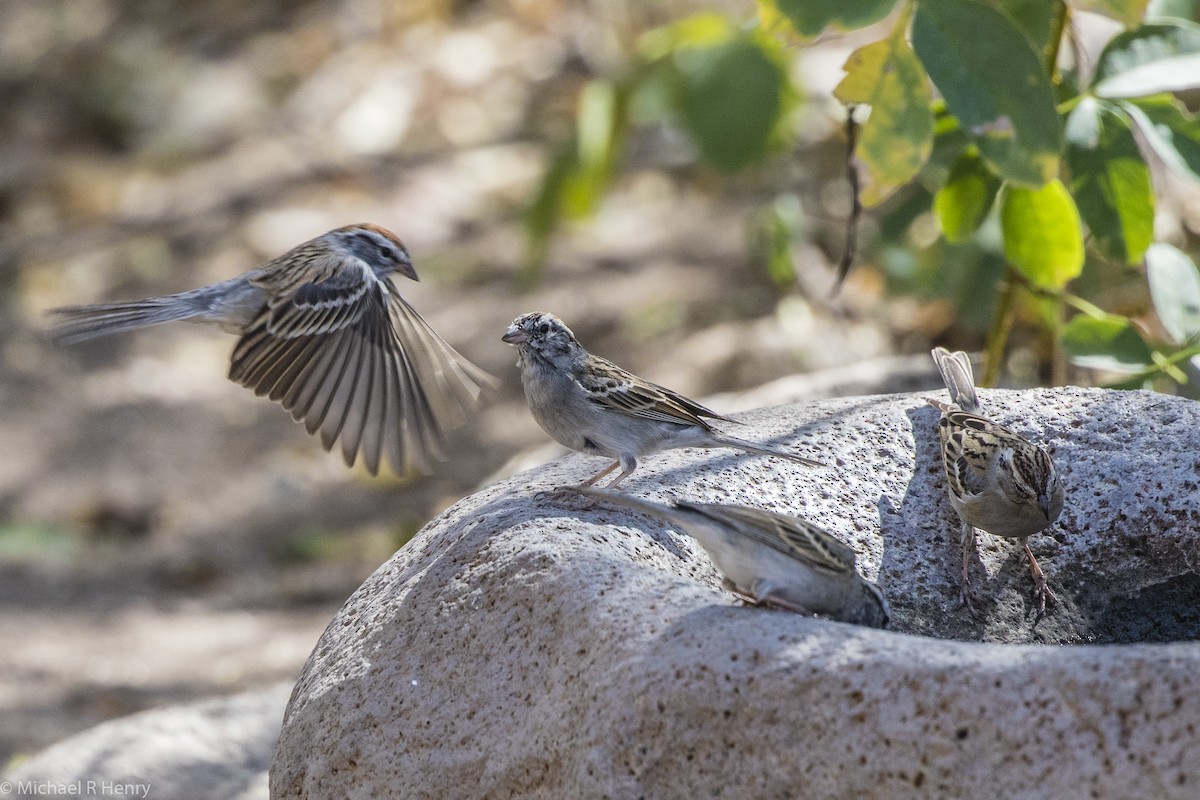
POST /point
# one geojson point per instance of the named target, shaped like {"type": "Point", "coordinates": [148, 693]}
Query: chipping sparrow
{"type": "Point", "coordinates": [325, 333]}
{"type": "Point", "coordinates": [776, 560]}
{"type": "Point", "coordinates": [593, 406]}
{"type": "Point", "coordinates": [998, 481]}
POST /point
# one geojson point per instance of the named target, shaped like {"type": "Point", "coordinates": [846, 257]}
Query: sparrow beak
{"type": "Point", "coordinates": [405, 267]}
{"type": "Point", "coordinates": [1044, 505]}
{"type": "Point", "coordinates": [514, 335]}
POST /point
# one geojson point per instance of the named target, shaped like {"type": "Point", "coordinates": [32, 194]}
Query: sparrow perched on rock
{"type": "Point", "coordinates": [593, 406]}
{"type": "Point", "coordinates": [776, 560]}
{"type": "Point", "coordinates": [325, 333]}
{"type": "Point", "coordinates": [998, 481]}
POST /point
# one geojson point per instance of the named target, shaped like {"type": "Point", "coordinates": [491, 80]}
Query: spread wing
{"type": "Point", "coordinates": [351, 359]}
{"type": "Point", "coordinates": [620, 391]}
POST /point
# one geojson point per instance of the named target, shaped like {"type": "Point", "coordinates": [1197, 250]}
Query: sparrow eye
{"type": "Point", "coordinates": [387, 252]}
{"type": "Point", "coordinates": [372, 247]}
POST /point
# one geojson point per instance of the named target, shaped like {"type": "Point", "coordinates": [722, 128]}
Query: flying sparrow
{"type": "Point", "coordinates": [776, 560]}
{"type": "Point", "coordinates": [998, 481]}
{"type": "Point", "coordinates": [593, 406]}
{"type": "Point", "coordinates": [325, 333]}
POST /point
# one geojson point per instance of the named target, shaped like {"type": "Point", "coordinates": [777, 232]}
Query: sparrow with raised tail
{"type": "Point", "coordinates": [776, 560]}
{"type": "Point", "coordinates": [325, 333]}
{"type": "Point", "coordinates": [998, 481]}
{"type": "Point", "coordinates": [593, 406]}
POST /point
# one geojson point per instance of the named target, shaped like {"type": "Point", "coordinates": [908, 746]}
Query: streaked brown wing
{"type": "Point", "coordinates": [615, 389]}
{"type": "Point", "coordinates": [794, 537]}
{"type": "Point", "coordinates": [353, 361]}
{"type": "Point", "coordinates": [967, 440]}
{"type": "Point", "coordinates": [977, 422]}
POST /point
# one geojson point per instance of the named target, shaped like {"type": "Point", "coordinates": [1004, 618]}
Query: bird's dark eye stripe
{"type": "Point", "coordinates": [371, 241]}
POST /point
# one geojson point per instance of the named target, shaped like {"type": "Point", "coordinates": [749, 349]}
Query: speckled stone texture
{"type": "Point", "coordinates": [201, 751]}
{"type": "Point", "coordinates": [527, 646]}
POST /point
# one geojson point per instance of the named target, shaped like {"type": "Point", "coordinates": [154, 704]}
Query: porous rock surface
{"type": "Point", "coordinates": [218, 748]}
{"type": "Point", "coordinates": [527, 646]}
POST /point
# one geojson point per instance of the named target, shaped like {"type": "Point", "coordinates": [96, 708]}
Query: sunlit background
{"type": "Point", "coordinates": [165, 535]}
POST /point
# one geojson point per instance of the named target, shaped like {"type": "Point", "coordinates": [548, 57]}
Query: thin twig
{"type": "Point", "coordinates": [850, 253]}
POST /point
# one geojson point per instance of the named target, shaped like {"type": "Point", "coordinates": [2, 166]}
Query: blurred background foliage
{"type": "Point", "coordinates": [1033, 163]}
{"type": "Point", "coordinates": [669, 176]}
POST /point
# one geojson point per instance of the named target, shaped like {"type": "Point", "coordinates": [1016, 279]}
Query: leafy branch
{"type": "Point", "coordinates": [971, 104]}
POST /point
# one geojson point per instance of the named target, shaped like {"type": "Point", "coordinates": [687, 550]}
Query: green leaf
{"type": "Point", "coordinates": [1008, 110]}
{"type": "Point", "coordinates": [543, 215]}
{"type": "Point", "coordinates": [1173, 133]}
{"type": "Point", "coordinates": [1140, 380]}
{"type": "Point", "coordinates": [1110, 180]}
{"type": "Point", "coordinates": [1035, 18]}
{"type": "Point", "coordinates": [1042, 235]}
{"type": "Point", "coordinates": [898, 135]}
{"type": "Point", "coordinates": [599, 122]}
{"type": "Point", "coordinates": [699, 30]}
{"type": "Point", "coordinates": [731, 97]}
{"type": "Point", "coordinates": [1162, 57]}
{"type": "Point", "coordinates": [31, 542]}
{"type": "Point", "coordinates": [950, 142]}
{"type": "Point", "coordinates": [963, 203]}
{"type": "Point", "coordinates": [1109, 343]}
{"type": "Point", "coordinates": [1181, 9]}
{"type": "Point", "coordinates": [810, 17]}
{"type": "Point", "coordinates": [1126, 12]}
{"type": "Point", "coordinates": [775, 230]}
{"type": "Point", "coordinates": [1175, 291]}
{"type": "Point", "coordinates": [578, 174]}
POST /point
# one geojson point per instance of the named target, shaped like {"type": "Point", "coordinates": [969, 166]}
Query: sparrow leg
{"type": "Point", "coordinates": [967, 540]}
{"type": "Point", "coordinates": [783, 604]}
{"type": "Point", "coordinates": [601, 474]}
{"type": "Point", "coordinates": [624, 474]}
{"type": "Point", "coordinates": [747, 597]}
{"type": "Point", "coordinates": [1041, 591]}
{"type": "Point", "coordinates": [587, 502]}
{"type": "Point", "coordinates": [628, 465]}
{"type": "Point", "coordinates": [577, 500]}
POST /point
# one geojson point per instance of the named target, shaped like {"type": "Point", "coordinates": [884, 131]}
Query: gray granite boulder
{"type": "Point", "coordinates": [217, 748]}
{"type": "Point", "coordinates": [527, 646]}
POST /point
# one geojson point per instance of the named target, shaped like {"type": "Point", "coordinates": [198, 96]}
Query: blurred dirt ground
{"type": "Point", "coordinates": [165, 535]}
